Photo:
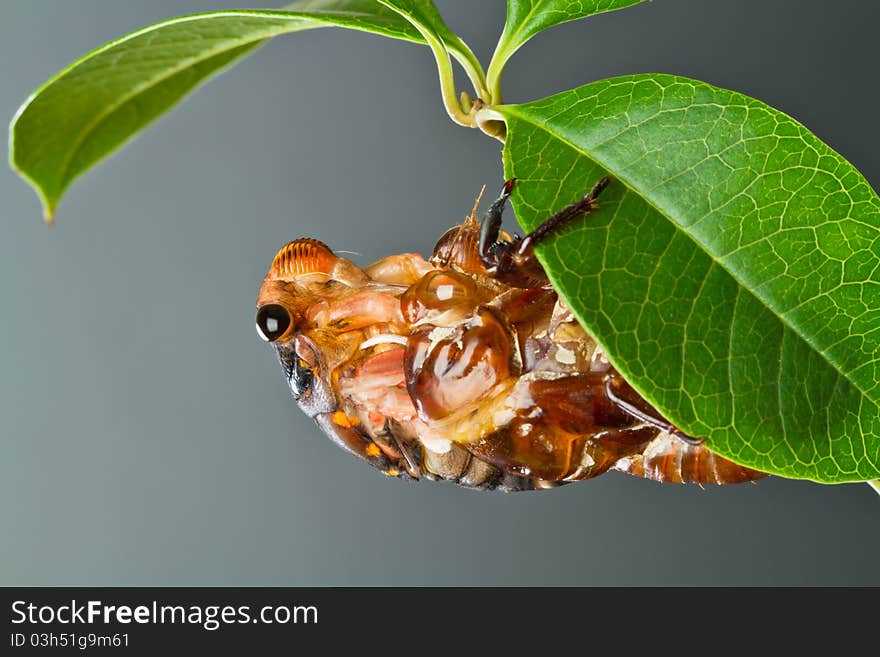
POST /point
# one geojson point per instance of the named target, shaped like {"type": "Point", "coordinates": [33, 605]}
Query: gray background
{"type": "Point", "coordinates": [146, 436]}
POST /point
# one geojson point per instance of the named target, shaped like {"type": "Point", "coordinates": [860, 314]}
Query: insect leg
{"type": "Point", "coordinates": [491, 226]}
{"type": "Point", "coordinates": [565, 216]}
{"type": "Point", "coordinates": [645, 416]}
{"type": "Point", "coordinates": [413, 463]}
{"type": "Point", "coordinates": [514, 262]}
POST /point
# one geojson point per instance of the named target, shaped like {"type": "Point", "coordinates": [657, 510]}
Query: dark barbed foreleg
{"type": "Point", "coordinates": [490, 227]}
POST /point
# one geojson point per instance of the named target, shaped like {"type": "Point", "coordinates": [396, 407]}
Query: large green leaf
{"type": "Point", "coordinates": [102, 100]}
{"type": "Point", "coordinates": [733, 272]}
{"type": "Point", "coordinates": [525, 18]}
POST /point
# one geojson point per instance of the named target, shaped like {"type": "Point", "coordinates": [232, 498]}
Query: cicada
{"type": "Point", "coordinates": [466, 367]}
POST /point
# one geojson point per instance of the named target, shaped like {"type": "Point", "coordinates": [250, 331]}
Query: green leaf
{"type": "Point", "coordinates": [732, 273]}
{"type": "Point", "coordinates": [525, 18]}
{"type": "Point", "coordinates": [102, 100]}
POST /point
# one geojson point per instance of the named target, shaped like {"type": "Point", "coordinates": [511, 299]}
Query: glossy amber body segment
{"type": "Point", "coordinates": [437, 369]}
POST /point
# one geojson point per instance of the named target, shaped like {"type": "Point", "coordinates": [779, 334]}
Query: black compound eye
{"type": "Point", "coordinates": [272, 321]}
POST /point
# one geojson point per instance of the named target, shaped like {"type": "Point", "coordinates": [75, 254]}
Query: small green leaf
{"type": "Point", "coordinates": [525, 18]}
{"type": "Point", "coordinates": [102, 100]}
{"type": "Point", "coordinates": [733, 272]}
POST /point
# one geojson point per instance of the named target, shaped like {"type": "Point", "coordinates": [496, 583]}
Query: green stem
{"type": "Point", "coordinates": [473, 69]}
{"type": "Point", "coordinates": [463, 55]}
{"type": "Point", "coordinates": [875, 484]}
{"type": "Point", "coordinates": [444, 70]}
{"type": "Point", "coordinates": [447, 78]}
{"type": "Point", "coordinates": [493, 74]}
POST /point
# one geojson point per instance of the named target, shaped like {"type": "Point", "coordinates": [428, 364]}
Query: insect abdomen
{"type": "Point", "coordinates": [669, 460]}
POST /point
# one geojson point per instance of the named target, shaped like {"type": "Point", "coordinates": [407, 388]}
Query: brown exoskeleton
{"type": "Point", "coordinates": [466, 367]}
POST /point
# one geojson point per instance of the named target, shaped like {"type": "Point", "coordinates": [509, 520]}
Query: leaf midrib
{"type": "Point", "coordinates": [514, 36]}
{"type": "Point", "coordinates": [510, 109]}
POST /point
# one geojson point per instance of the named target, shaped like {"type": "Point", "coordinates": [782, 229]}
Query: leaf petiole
{"type": "Point", "coordinates": [474, 70]}
{"type": "Point", "coordinates": [431, 30]}
{"type": "Point", "coordinates": [493, 74]}
{"type": "Point", "coordinates": [447, 78]}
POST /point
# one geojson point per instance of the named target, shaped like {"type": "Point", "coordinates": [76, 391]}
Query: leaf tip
{"type": "Point", "coordinates": [49, 203]}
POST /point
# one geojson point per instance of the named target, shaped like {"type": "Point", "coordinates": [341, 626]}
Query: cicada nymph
{"type": "Point", "coordinates": [466, 367]}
